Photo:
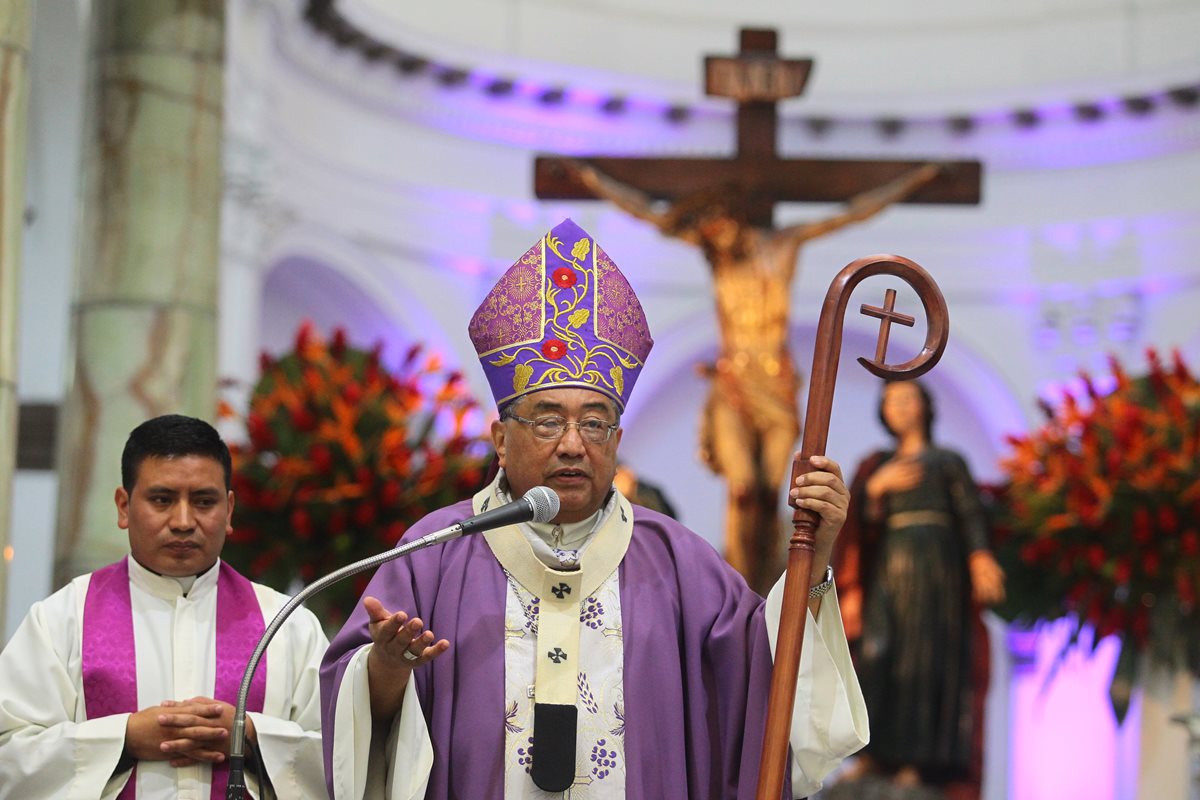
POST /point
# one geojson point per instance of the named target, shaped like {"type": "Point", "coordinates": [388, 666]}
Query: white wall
{"type": "Point", "coordinates": [944, 46]}
{"type": "Point", "coordinates": [52, 186]}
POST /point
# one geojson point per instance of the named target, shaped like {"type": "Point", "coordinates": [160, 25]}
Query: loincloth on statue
{"type": "Point", "coordinates": [748, 407]}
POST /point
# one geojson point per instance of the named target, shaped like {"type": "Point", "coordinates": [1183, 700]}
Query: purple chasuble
{"type": "Point", "coordinates": [110, 661]}
{"type": "Point", "coordinates": [697, 664]}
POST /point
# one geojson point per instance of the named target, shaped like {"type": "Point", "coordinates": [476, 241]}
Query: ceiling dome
{"type": "Point", "coordinates": [873, 52]}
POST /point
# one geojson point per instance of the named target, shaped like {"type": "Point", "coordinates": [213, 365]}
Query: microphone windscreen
{"type": "Point", "coordinates": [544, 502]}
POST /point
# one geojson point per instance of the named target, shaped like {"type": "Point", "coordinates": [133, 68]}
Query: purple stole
{"type": "Point", "coordinates": [110, 663]}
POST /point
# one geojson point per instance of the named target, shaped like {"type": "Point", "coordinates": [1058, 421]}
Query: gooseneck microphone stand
{"type": "Point", "coordinates": [539, 504]}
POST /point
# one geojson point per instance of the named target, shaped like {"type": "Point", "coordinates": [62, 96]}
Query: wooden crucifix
{"type": "Point", "coordinates": [725, 206]}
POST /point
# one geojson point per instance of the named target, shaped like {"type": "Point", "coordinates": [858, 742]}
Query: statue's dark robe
{"type": "Point", "coordinates": [922, 655]}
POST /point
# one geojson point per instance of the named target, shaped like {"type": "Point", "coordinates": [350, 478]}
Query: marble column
{"type": "Point", "coordinates": [1164, 768]}
{"type": "Point", "coordinates": [144, 326]}
{"type": "Point", "coordinates": [251, 215]}
{"type": "Point", "coordinates": [14, 103]}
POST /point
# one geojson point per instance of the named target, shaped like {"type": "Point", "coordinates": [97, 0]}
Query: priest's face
{"type": "Point", "coordinates": [580, 471]}
{"type": "Point", "coordinates": [178, 514]}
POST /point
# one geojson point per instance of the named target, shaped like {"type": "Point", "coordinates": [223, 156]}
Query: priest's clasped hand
{"type": "Point", "coordinates": [183, 732]}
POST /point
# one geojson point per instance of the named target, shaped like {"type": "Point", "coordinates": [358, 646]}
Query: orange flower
{"type": "Point", "coordinates": [1058, 522]}
{"type": "Point", "coordinates": [343, 456]}
{"type": "Point", "coordinates": [1100, 509]}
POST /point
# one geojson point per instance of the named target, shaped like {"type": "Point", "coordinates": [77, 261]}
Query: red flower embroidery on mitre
{"type": "Point", "coordinates": [554, 349]}
{"type": "Point", "coordinates": [563, 277]}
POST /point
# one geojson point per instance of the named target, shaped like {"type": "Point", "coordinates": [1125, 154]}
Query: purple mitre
{"type": "Point", "coordinates": [563, 315]}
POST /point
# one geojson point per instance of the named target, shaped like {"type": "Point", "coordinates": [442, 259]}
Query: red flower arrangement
{"type": "Point", "coordinates": [1100, 519]}
{"type": "Point", "coordinates": [343, 455]}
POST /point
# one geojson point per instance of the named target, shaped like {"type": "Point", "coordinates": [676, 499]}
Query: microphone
{"type": "Point", "coordinates": [539, 504]}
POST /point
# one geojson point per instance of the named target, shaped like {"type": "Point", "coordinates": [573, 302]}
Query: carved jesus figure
{"type": "Point", "coordinates": [750, 422]}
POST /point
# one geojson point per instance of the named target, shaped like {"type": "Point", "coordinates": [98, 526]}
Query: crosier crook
{"type": "Point", "coordinates": [802, 545]}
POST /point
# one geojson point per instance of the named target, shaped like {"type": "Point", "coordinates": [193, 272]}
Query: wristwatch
{"type": "Point", "coordinates": [822, 588]}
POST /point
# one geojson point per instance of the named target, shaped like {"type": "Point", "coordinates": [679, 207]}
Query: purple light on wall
{"type": "Point", "coordinates": [1160, 284]}
{"type": "Point", "coordinates": [576, 126]}
{"type": "Point", "coordinates": [1083, 331]}
{"type": "Point", "coordinates": [1105, 384]}
{"type": "Point", "coordinates": [1066, 237]}
{"type": "Point", "coordinates": [524, 214]}
{"type": "Point", "coordinates": [299, 289]}
{"type": "Point", "coordinates": [468, 266]}
{"type": "Point", "coordinates": [1126, 317]}
{"type": "Point", "coordinates": [1105, 233]}
{"type": "Point", "coordinates": [584, 96]}
{"type": "Point", "coordinates": [1056, 392]}
{"type": "Point", "coordinates": [1069, 143]}
{"type": "Point", "coordinates": [1064, 740]}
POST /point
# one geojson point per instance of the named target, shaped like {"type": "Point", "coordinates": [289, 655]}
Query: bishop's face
{"type": "Point", "coordinates": [579, 471]}
{"type": "Point", "coordinates": [178, 514]}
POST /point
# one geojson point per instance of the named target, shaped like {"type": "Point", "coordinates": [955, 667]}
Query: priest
{"type": "Point", "coordinates": [122, 683]}
{"type": "Point", "coordinates": [609, 653]}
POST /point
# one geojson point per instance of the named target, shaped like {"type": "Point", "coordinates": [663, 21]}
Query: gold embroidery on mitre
{"type": "Point", "coordinates": [513, 313]}
{"type": "Point", "coordinates": [521, 375]}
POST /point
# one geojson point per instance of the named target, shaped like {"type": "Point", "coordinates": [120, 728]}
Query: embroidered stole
{"type": "Point", "coordinates": [110, 662]}
{"type": "Point", "coordinates": [560, 595]}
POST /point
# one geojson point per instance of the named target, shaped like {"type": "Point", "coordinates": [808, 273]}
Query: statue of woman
{"type": "Point", "coordinates": [911, 583]}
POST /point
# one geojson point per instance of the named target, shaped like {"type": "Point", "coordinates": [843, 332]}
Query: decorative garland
{"type": "Point", "coordinates": [324, 18]}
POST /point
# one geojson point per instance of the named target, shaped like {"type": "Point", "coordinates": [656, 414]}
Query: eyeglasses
{"type": "Point", "coordinates": [592, 429]}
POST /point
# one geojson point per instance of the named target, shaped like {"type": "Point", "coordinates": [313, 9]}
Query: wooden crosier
{"type": "Point", "coordinates": [802, 545]}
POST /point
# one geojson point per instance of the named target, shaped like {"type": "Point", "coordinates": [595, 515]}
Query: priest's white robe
{"type": "Point", "coordinates": [48, 747]}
